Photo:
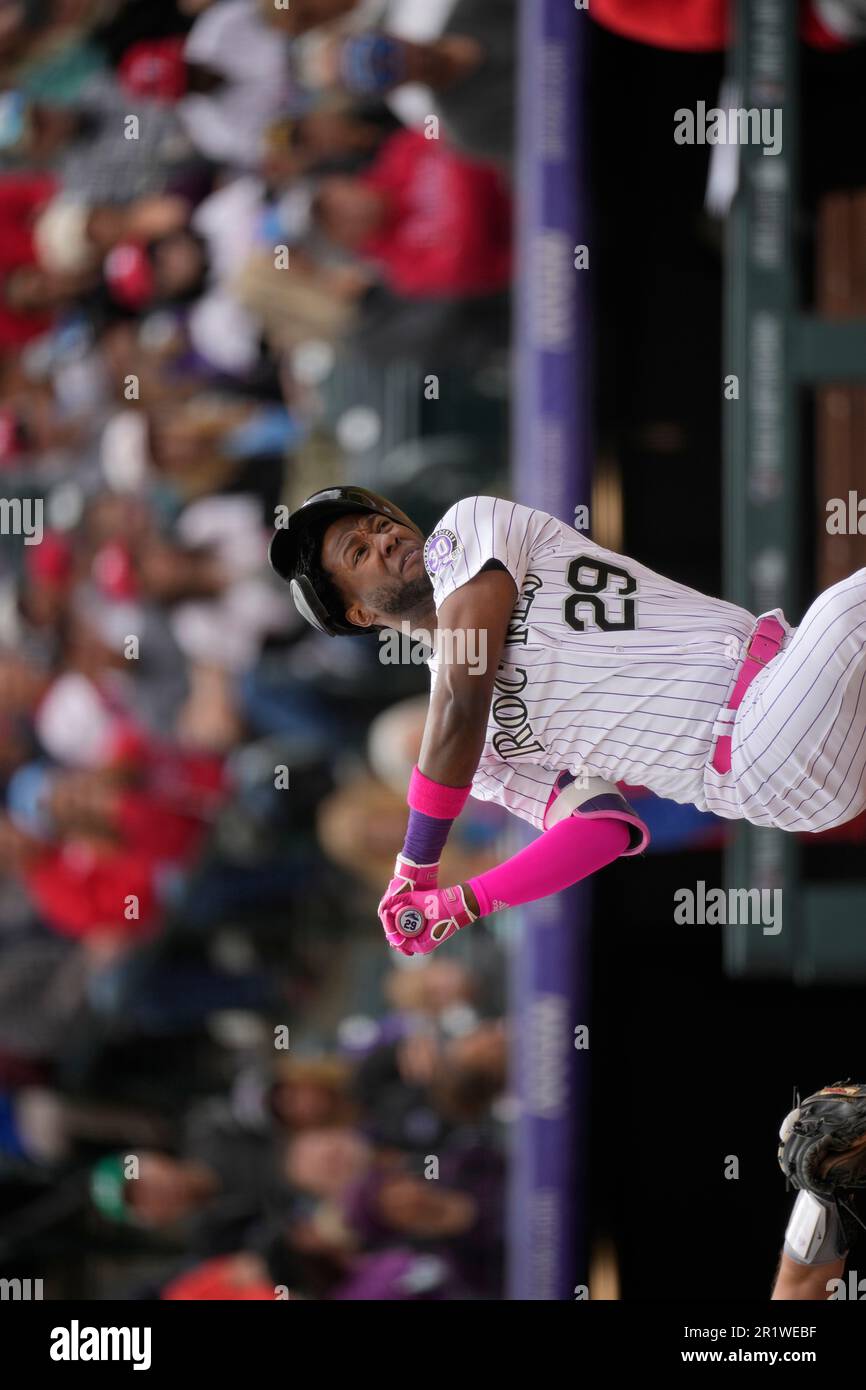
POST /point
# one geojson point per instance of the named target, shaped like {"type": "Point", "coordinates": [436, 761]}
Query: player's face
{"type": "Point", "coordinates": [378, 565]}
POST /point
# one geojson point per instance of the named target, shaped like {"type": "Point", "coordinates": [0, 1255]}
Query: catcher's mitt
{"type": "Point", "coordinates": [823, 1141]}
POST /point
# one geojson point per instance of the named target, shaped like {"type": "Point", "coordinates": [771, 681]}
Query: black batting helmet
{"type": "Point", "coordinates": [287, 541]}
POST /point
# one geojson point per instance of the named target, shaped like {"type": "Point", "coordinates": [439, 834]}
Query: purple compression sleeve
{"type": "Point", "coordinates": [425, 837]}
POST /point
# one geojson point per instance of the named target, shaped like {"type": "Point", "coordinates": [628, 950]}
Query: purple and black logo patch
{"type": "Point", "coordinates": [441, 549]}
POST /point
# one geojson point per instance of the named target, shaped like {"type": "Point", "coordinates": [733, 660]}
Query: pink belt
{"type": "Point", "coordinates": [764, 643]}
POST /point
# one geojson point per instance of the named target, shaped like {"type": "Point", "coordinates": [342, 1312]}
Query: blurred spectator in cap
{"type": "Point", "coordinates": [293, 1094]}
{"type": "Point", "coordinates": [435, 223]}
{"type": "Point", "coordinates": [333, 137]}
{"type": "Point", "coordinates": [470, 70]}
{"type": "Point", "coordinates": [311, 1092]}
{"type": "Point", "coordinates": [459, 1216]}
{"type": "Point", "coordinates": [224, 1180]}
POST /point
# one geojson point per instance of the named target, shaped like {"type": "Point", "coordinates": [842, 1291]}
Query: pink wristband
{"type": "Point", "coordinates": [435, 799]}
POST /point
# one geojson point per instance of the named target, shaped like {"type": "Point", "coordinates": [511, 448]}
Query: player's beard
{"type": "Point", "coordinates": [412, 598]}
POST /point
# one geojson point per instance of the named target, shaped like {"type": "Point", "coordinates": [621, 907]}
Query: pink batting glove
{"type": "Point", "coordinates": [410, 875]}
{"type": "Point", "coordinates": [417, 922]}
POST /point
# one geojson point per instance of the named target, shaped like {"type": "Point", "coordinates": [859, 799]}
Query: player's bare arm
{"type": "Point", "coordinates": [456, 725]}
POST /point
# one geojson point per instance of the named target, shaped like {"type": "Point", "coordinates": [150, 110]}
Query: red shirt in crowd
{"type": "Point", "coordinates": [158, 828]}
{"type": "Point", "coordinates": [693, 26]}
{"type": "Point", "coordinates": [21, 198]}
{"type": "Point", "coordinates": [448, 230]}
{"type": "Point", "coordinates": [78, 890]}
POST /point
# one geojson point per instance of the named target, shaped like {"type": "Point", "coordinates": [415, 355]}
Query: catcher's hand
{"type": "Point", "coordinates": [823, 1141]}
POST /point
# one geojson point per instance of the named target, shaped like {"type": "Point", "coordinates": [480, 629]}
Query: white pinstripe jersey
{"type": "Point", "coordinates": [607, 666]}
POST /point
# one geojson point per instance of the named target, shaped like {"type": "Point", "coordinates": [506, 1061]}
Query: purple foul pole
{"type": "Point", "coordinates": [551, 469]}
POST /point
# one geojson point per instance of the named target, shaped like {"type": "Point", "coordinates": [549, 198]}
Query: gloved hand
{"type": "Point", "coordinates": [411, 876]}
{"type": "Point", "coordinates": [823, 1141]}
{"type": "Point", "coordinates": [416, 922]}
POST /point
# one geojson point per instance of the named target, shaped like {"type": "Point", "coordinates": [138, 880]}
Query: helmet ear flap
{"type": "Point", "coordinates": [310, 606]}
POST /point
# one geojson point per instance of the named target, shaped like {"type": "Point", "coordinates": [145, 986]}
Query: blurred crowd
{"type": "Point", "coordinates": [247, 249]}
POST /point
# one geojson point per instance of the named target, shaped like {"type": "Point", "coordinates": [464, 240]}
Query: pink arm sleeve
{"type": "Point", "coordinates": [561, 856]}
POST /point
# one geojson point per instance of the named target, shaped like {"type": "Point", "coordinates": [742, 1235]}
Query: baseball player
{"type": "Point", "coordinates": [595, 670]}
{"type": "Point", "coordinates": [822, 1151]}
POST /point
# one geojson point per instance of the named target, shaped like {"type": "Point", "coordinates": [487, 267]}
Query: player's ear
{"type": "Point", "coordinates": [360, 616]}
